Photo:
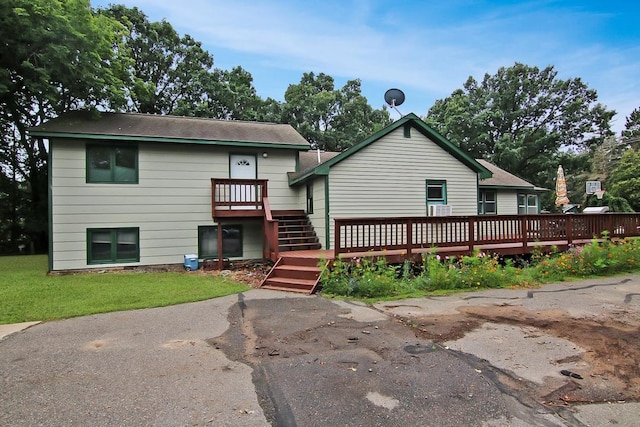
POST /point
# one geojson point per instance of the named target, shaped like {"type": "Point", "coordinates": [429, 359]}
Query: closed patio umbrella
{"type": "Point", "coordinates": [561, 188]}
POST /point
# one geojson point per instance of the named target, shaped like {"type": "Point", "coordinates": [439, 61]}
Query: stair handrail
{"type": "Point", "coordinates": [270, 232]}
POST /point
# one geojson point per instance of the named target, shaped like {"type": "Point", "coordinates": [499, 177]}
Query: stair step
{"type": "Point", "coordinates": [304, 230]}
{"type": "Point", "coordinates": [289, 213]}
{"type": "Point", "coordinates": [285, 289]}
{"type": "Point", "coordinates": [299, 261]}
{"type": "Point", "coordinates": [299, 246]}
{"type": "Point", "coordinates": [288, 282]}
{"type": "Point", "coordinates": [296, 272]}
{"type": "Point", "coordinates": [298, 239]}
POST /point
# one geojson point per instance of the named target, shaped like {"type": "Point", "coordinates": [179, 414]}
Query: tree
{"type": "Point", "coordinates": [522, 118]}
{"type": "Point", "coordinates": [55, 55]}
{"type": "Point", "coordinates": [165, 69]}
{"type": "Point", "coordinates": [228, 95]}
{"type": "Point", "coordinates": [331, 119]}
{"type": "Point", "coordinates": [625, 179]}
{"type": "Point", "coordinates": [631, 133]}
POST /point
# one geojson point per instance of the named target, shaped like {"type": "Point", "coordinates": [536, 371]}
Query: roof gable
{"type": "Point", "coordinates": [177, 129]}
{"type": "Point", "coordinates": [410, 121]}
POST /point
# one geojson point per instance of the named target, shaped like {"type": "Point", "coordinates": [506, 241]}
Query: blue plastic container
{"type": "Point", "coordinates": [191, 262]}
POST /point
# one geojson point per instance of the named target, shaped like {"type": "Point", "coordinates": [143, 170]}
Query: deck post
{"type": "Point", "coordinates": [524, 227]}
{"type": "Point", "coordinates": [472, 233]}
{"type": "Point", "coordinates": [409, 237]}
{"type": "Point", "coordinates": [569, 229]}
{"type": "Point", "coordinates": [220, 254]}
{"type": "Point", "coordinates": [336, 236]}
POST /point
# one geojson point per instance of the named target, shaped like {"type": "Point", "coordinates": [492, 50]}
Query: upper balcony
{"type": "Point", "coordinates": [232, 197]}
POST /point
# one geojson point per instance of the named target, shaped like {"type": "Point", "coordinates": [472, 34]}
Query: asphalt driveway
{"type": "Point", "coordinates": [268, 358]}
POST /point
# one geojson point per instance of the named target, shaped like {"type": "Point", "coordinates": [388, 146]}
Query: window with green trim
{"type": "Point", "coordinates": [487, 202]}
{"type": "Point", "coordinates": [527, 203]}
{"type": "Point", "coordinates": [113, 245]}
{"type": "Point", "coordinates": [208, 241]}
{"type": "Point", "coordinates": [116, 164]}
{"type": "Point", "coordinates": [436, 192]}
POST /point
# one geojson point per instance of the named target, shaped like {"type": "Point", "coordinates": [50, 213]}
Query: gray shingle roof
{"type": "Point", "coordinates": [502, 178]}
{"type": "Point", "coordinates": [158, 127]}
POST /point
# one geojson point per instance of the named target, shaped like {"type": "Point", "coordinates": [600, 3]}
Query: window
{"type": "Point", "coordinates": [310, 198]}
{"type": "Point", "coordinates": [113, 245]}
{"type": "Point", "coordinates": [527, 203]}
{"type": "Point", "coordinates": [208, 241]}
{"type": "Point", "coordinates": [112, 164]}
{"type": "Point", "coordinates": [487, 202]}
{"type": "Point", "coordinates": [436, 192]}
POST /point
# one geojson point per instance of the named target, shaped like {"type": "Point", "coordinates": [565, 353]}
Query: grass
{"type": "Point", "coordinates": [27, 293]}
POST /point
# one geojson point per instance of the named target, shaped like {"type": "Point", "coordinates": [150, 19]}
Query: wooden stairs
{"type": "Point", "coordinates": [295, 231]}
{"type": "Point", "coordinates": [294, 273]}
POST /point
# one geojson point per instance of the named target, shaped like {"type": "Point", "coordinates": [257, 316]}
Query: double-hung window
{"type": "Point", "coordinates": [527, 203]}
{"type": "Point", "coordinates": [115, 164]}
{"type": "Point", "coordinates": [487, 202]}
{"type": "Point", "coordinates": [113, 245]}
{"type": "Point", "coordinates": [208, 241]}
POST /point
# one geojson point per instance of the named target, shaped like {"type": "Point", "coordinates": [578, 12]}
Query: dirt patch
{"type": "Point", "coordinates": [612, 347]}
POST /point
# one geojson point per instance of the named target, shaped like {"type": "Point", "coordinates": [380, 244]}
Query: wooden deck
{"type": "Point", "coordinates": [399, 239]}
{"type": "Point", "coordinates": [411, 237]}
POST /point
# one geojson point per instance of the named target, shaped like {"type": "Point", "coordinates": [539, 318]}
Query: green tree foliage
{"type": "Point", "coordinates": [165, 69]}
{"type": "Point", "coordinates": [625, 179]}
{"type": "Point", "coordinates": [631, 132]}
{"type": "Point", "coordinates": [55, 55]}
{"type": "Point", "coordinates": [331, 119]}
{"type": "Point", "coordinates": [521, 118]}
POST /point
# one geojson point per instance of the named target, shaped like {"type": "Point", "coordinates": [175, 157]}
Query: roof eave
{"type": "Point", "coordinates": [142, 138]}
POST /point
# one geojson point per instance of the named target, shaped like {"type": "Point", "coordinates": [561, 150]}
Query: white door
{"type": "Point", "coordinates": [243, 166]}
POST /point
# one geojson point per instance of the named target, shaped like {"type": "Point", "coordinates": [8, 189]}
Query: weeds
{"type": "Point", "coordinates": [374, 278]}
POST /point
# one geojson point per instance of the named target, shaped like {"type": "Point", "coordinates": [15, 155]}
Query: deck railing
{"type": "Point", "coordinates": [521, 232]}
{"type": "Point", "coordinates": [237, 194]}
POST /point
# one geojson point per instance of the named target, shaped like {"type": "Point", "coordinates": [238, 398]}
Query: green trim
{"type": "Point", "coordinates": [505, 187]}
{"type": "Point", "coordinates": [441, 182]}
{"type": "Point", "coordinates": [482, 201]}
{"type": "Point", "coordinates": [410, 120]}
{"type": "Point", "coordinates": [137, 138]}
{"type": "Point", "coordinates": [112, 161]}
{"type": "Point", "coordinates": [113, 237]}
{"type": "Point", "coordinates": [327, 222]}
{"type": "Point", "coordinates": [407, 130]}
{"type": "Point", "coordinates": [526, 202]}
{"type": "Point", "coordinates": [50, 203]}
{"type": "Point", "coordinates": [214, 228]}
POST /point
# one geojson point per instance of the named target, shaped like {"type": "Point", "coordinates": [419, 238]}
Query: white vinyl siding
{"type": "Point", "coordinates": [387, 179]}
{"type": "Point", "coordinates": [172, 198]}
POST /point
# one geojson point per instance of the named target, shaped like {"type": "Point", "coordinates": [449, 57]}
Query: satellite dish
{"type": "Point", "coordinates": [394, 97]}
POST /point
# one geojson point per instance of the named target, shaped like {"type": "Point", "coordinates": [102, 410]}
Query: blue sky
{"type": "Point", "coordinates": [427, 49]}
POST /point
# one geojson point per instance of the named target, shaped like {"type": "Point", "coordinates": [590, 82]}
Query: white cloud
{"type": "Point", "coordinates": [427, 50]}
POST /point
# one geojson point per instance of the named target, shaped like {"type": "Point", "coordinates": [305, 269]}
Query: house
{"type": "Point", "coordinates": [507, 194]}
{"type": "Point", "coordinates": [137, 189]}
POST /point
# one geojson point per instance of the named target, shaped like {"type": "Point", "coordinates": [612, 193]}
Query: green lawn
{"type": "Point", "coordinates": [27, 293]}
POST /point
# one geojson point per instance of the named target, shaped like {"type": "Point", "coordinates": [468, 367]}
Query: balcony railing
{"type": "Point", "coordinates": [237, 197]}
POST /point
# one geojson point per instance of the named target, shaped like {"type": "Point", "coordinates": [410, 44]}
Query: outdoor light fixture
{"type": "Point", "coordinates": [265, 155]}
